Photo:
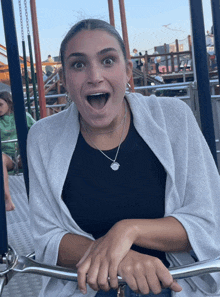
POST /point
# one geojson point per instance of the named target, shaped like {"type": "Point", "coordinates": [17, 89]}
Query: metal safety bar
{"type": "Point", "coordinates": [174, 86]}
{"type": "Point", "coordinates": [21, 264]}
{"type": "Point", "coordinates": [168, 86]}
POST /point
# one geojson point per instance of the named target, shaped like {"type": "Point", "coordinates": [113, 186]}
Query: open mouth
{"type": "Point", "coordinates": [98, 100]}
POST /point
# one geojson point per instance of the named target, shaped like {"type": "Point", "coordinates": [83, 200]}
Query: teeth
{"type": "Point", "coordinates": [97, 94]}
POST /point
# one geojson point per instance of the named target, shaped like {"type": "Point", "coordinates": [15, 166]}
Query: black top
{"type": "Point", "coordinates": [98, 197]}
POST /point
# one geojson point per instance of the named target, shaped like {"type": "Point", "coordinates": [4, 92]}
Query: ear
{"type": "Point", "coordinates": [129, 68]}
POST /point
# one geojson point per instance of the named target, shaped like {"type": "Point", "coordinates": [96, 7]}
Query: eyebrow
{"type": "Point", "coordinates": [102, 52]}
{"type": "Point", "coordinates": [106, 50]}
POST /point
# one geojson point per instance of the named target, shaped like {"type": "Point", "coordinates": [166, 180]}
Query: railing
{"type": "Point", "coordinates": [52, 81]}
{"type": "Point", "coordinates": [51, 108]}
{"type": "Point", "coordinates": [171, 62]}
{"type": "Point", "coordinates": [186, 86]}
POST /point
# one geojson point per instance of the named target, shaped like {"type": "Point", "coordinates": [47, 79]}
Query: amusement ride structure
{"type": "Point", "coordinates": [11, 263]}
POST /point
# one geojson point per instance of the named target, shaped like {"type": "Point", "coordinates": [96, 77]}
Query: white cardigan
{"type": "Point", "coordinates": [192, 194]}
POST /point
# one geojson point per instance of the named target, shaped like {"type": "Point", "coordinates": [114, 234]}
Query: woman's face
{"type": "Point", "coordinates": [95, 76]}
{"type": "Point", "coordinates": [4, 109]}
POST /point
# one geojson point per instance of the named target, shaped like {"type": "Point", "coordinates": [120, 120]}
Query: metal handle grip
{"type": "Point", "coordinates": [26, 265]}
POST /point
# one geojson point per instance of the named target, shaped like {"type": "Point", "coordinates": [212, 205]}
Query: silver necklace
{"type": "Point", "coordinates": [114, 165]}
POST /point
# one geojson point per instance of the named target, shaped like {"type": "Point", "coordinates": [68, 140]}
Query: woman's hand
{"type": "Point", "coordinates": [103, 258]}
{"type": "Point", "coordinates": [145, 273]}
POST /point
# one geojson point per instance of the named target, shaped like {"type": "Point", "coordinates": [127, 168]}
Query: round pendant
{"type": "Point", "coordinates": [115, 166]}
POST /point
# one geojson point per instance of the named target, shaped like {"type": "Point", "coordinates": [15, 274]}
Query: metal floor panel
{"type": "Point", "coordinates": [19, 237]}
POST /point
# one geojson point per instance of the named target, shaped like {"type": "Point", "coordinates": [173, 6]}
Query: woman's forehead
{"type": "Point", "coordinates": [90, 41]}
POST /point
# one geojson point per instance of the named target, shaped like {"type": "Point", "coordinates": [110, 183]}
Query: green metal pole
{"type": "Point", "coordinates": [33, 78]}
{"type": "Point", "coordinates": [26, 77]}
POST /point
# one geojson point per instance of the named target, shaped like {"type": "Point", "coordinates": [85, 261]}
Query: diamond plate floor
{"type": "Point", "coordinates": [19, 237]}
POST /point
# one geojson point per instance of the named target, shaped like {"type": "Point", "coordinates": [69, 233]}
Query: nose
{"type": "Point", "coordinates": [95, 74]}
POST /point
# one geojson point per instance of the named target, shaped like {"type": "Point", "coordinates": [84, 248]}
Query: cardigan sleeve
{"type": "Point", "coordinates": [46, 226]}
{"type": "Point", "coordinates": [49, 216]}
{"type": "Point", "coordinates": [198, 184]}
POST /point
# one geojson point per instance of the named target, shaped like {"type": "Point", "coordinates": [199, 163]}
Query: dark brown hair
{"type": "Point", "coordinates": [90, 24]}
{"type": "Point", "coordinates": [6, 96]}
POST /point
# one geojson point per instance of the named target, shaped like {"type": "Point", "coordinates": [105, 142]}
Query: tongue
{"type": "Point", "coordinates": [97, 102]}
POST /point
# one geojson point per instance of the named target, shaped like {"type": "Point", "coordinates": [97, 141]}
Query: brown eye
{"type": "Point", "coordinates": [108, 61]}
{"type": "Point", "coordinates": [78, 65]}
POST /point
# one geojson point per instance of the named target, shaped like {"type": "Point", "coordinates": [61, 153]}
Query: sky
{"type": "Point", "coordinates": [149, 23]}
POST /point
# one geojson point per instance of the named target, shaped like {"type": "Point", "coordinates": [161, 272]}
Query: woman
{"type": "Point", "coordinates": [10, 158]}
{"type": "Point", "coordinates": [119, 184]}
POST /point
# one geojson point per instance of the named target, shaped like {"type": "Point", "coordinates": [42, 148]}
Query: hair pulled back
{"type": "Point", "coordinates": [90, 24]}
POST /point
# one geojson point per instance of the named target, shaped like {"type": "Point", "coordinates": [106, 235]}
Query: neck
{"type": "Point", "coordinates": [108, 139]}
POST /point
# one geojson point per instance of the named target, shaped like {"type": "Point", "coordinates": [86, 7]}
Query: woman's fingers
{"type": "Point", "coordinates": [103, 256]}
{"type": "Point", "coordinates": [102, 278]}
{"type": "Point", "coordinates": [113, 275]}
{"type": "Point", "coordinates": [149, 274]}
{"type": "Point", "coordinates": [153, 283]}
{"type": "Point", "coordinates": [176, 287]}
{"type": "Point", "coordinates": [167, 279]}
{"type": "Point", "coordinates": [142, 285]}
{"type": "Point", "coordinates": [102, 274]}
{"type": "Point", "coordinates": [132, 283]}
{"type": "Point", "coordinates": [82, 275]}
{"type": "Point", "coordinates": [142, 273]}
{"type": "Point", "coordinates": [145, 275]}
{"type": "Point", "coordinates": [97, 276]}
{"type": "Point", "coordinates": [94, 271]}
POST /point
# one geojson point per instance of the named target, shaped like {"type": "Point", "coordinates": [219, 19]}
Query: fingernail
{"type": "Point", "coordinates": [83, 291]}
